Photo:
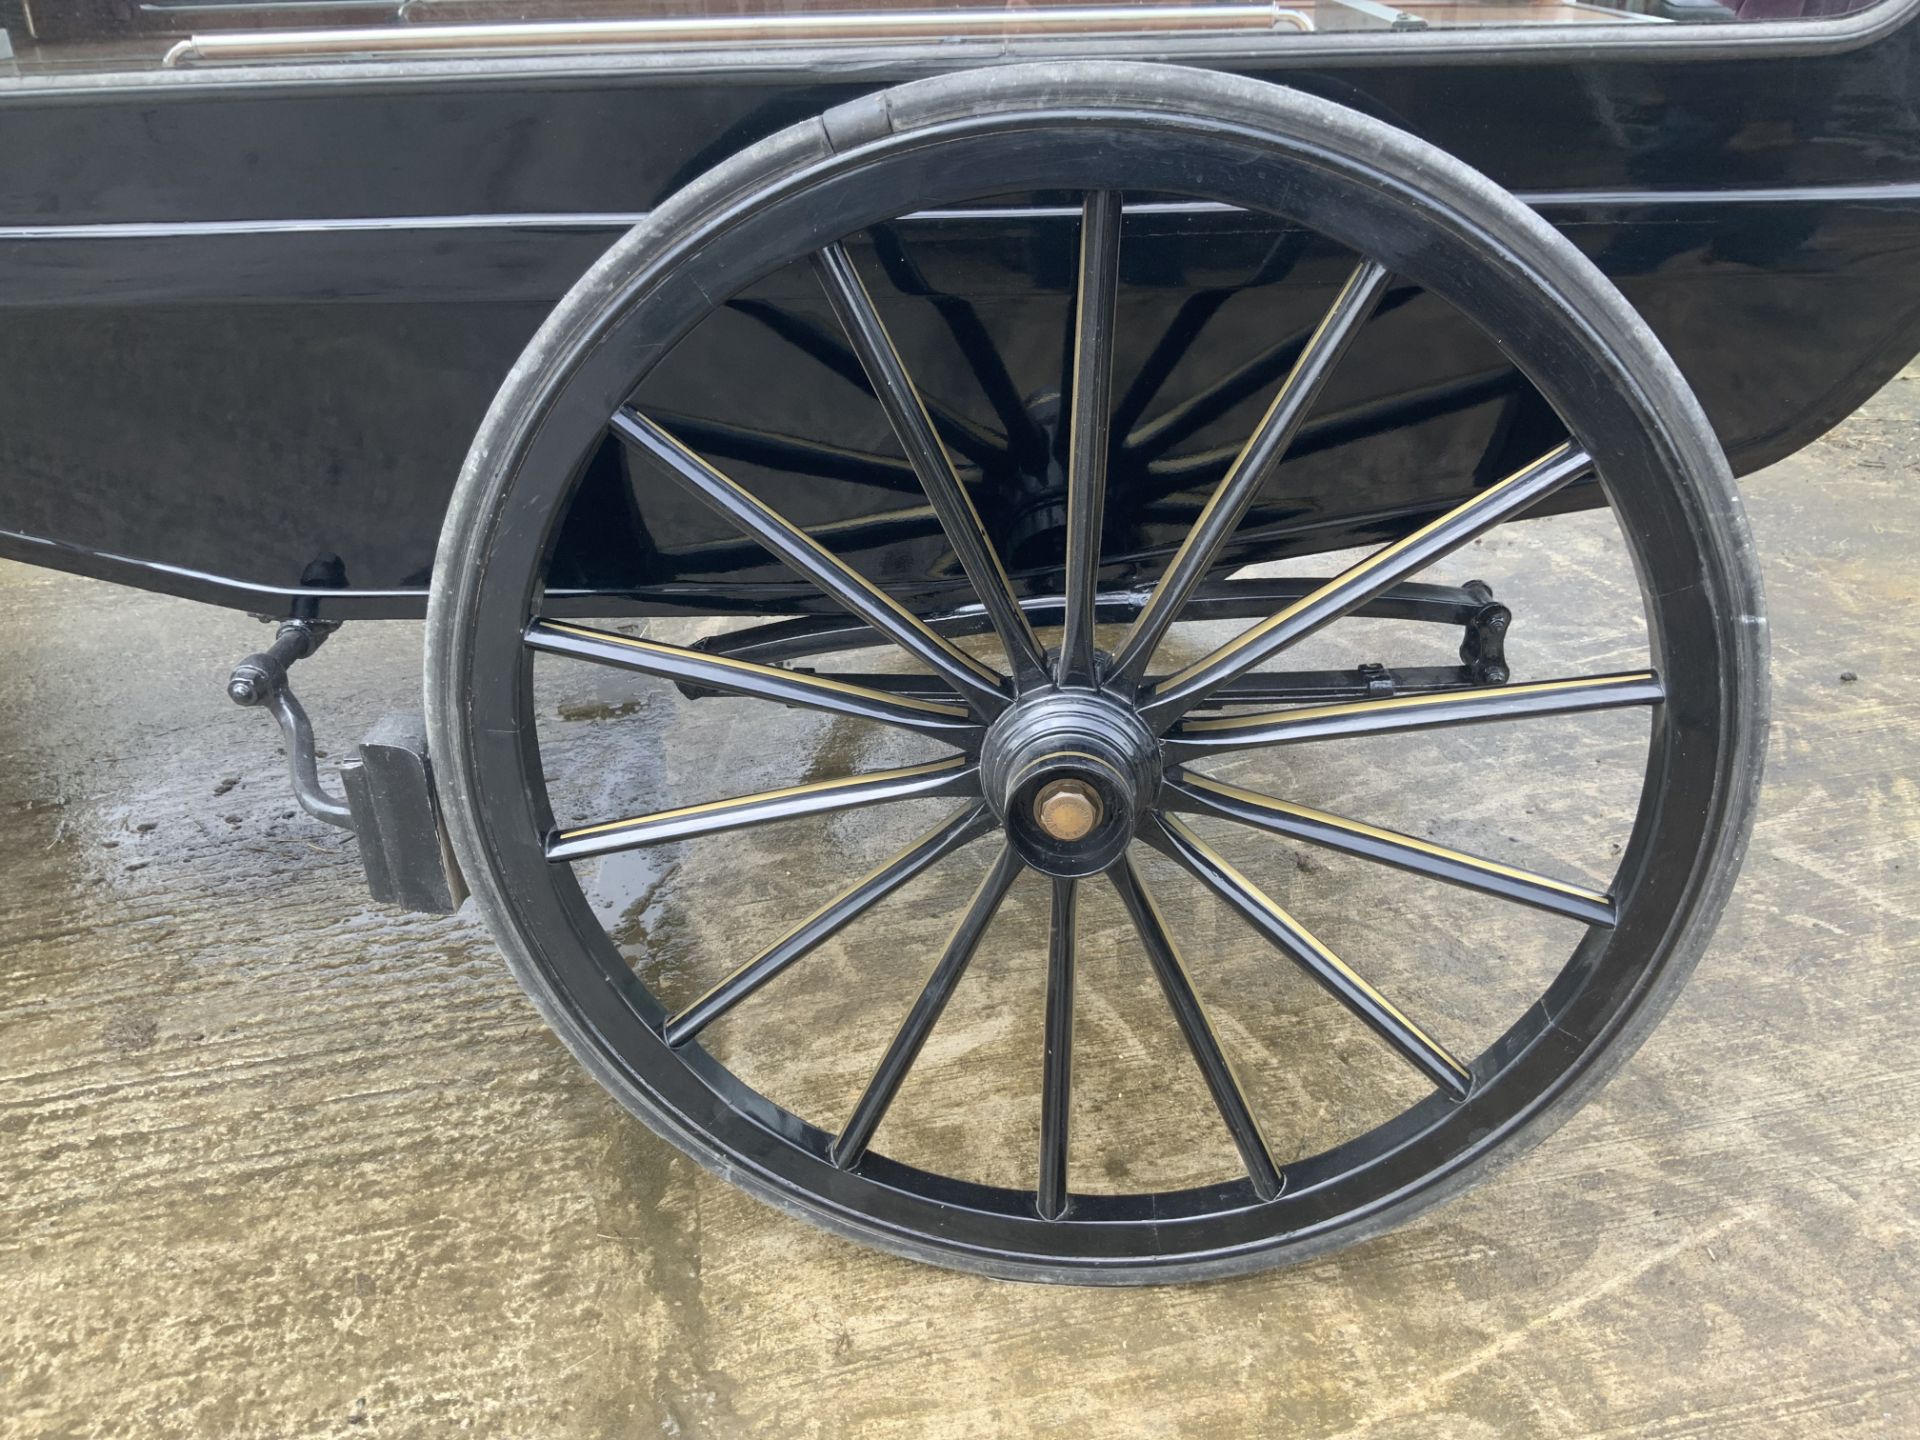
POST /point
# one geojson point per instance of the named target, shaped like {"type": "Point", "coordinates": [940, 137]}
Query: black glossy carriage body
{"type": "Point", "coordinates": [248, 323]}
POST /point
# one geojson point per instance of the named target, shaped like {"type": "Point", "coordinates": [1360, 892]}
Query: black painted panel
{"type": "Point", "coordinates": [249, 402]}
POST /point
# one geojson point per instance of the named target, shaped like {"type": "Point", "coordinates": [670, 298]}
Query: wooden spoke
{"type": "Point", "coordinates": [1346, 592]}
{"type": "Point", "coordinates": [905, 710]}
{"type": "Point", "coordinates": [1414, 712]}
{"type": "Point", "coordinates": [978, 684]}
{"type": "Point", "coordinates": [1201, 795]}
{"type": "Point", "coordinates": [907, 412]}
{"type": "Point", "coordinates": [828, 921]}
{"type": "Point", "coordinates": [1089, 419]}
{"type": "Point", "coordinates": [1254, 466]}
{"type": "Point", "coordinates": [1056, 1085]}
{"type": "Point", "coordinates": [857, 1133]}
{"type": "Point", "coordinates": [957, 776]}
{"type": "Point", "coordinates": [1170, 968]}
{"type": "Point", "coordinates": [1293, 940]}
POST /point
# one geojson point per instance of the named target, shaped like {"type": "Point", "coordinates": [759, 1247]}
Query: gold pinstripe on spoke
{"type": "Point", "coordinates": [1226, 724]}
{"type": "Point", "coordinates": [1488, 499]}
{"type": "Point", "coordinates": [967, 822]}
{"type": "Point", "coordinates": [907, 772]}
{"type": "Point", "coordinates": [750, 667]}
{"type": "Point", "coordinates": [1305, 936]}
{"type": "Point", "coordinates": [1392, 837]}
{"type": "Point", "coordinates": [874, 593]}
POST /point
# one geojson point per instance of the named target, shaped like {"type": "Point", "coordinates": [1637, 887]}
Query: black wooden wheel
{"type": "Point", "coordinates": [1067, 759]}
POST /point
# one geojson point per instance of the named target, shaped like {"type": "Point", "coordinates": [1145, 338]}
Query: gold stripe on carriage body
{"type": "Point", "coordinates": [527, 37]}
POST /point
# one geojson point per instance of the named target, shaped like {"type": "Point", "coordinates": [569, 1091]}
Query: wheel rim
{"type": "Point", "coordinates": [1096, 720]}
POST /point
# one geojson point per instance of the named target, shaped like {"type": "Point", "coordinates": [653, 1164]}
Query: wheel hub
{"type": "Point", "coordinates": [1070, 773]}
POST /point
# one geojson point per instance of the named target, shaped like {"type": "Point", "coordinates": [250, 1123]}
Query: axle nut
{"type": "Point", "coordinates": [1067, 809]}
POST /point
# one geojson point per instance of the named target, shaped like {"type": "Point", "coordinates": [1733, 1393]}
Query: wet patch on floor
{"type": "Point", "coordinates": [280, 1163]}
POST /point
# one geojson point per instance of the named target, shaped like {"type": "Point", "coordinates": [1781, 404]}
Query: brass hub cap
{"type": "Point", "coordinates": [1067, 809]}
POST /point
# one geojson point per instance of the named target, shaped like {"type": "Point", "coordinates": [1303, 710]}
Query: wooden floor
{"type": "Point", "coordinates": [278, 1163]}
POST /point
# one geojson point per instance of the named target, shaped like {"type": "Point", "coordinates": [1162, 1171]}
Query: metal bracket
{"type": "Point", "coordinates": [1483, 646]}
{"type": "Point", "coordinates": [260, 680]}
{"type": "Point", "coordinates": [1379, 681]}
{"type": "Point", "coordinates": [389, 805]}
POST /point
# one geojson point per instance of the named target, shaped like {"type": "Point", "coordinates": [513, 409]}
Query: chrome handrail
{"type": "Point", "coordinates": [524, 37]}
